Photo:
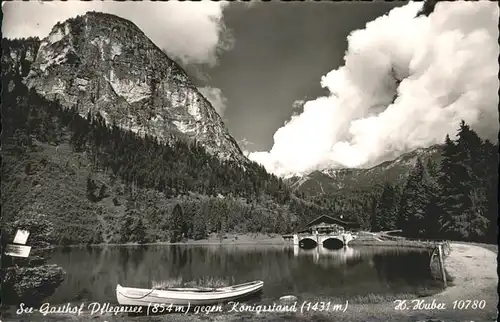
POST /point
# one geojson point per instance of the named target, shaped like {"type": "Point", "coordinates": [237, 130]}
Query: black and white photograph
{"type": "Point", "coordinates": [249, 161]}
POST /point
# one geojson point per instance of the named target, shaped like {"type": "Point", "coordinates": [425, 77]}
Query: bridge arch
{"type": "Point", "coordinates": [333, 243]}
{"type": "Point", "coordinates": [307, 243]}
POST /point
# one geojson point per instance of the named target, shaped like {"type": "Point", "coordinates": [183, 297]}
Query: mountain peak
{"type": "Point", "coordinates": [392, 171]}
{"type": "Point", "coordinates": [102, 19]}
{"type": "Point", "coordinates": [102, 63]}
{"type": "Point", "coordinates": [106, 17]}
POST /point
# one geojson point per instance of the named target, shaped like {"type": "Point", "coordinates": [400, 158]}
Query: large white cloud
{"type": "Point", "coordinates": [447, 67]}
{"type": "Point", "coordinates": [191, 32]}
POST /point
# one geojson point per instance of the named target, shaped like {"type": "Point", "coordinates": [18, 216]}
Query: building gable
{"type": "Point", "coordinates": [331, 221]}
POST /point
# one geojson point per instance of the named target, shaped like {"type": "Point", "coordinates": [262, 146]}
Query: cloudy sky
{"type": "Point", "coordinates": [281, 78]}
{"type": "Point", "coordinates": [251, 61]}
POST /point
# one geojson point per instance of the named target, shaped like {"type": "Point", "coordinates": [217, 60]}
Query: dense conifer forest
{"type": "Point", "coordinates": [114, 186]}
{"type": "Point", "coordinates": [211, 195]}
{"type": "Point", "coordinates": [456, 199]}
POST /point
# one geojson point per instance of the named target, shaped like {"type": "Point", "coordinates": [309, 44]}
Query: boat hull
{"type": "Point", "coordinates": [186, 296]}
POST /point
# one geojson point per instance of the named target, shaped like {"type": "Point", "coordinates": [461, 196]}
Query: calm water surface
{"type": "Point", "coordinates": [93, 272]}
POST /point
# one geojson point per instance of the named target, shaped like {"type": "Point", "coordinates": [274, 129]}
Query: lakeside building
{"type": "Point", "coordinates": [326, 225]}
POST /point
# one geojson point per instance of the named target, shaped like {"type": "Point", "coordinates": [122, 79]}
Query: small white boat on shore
{"type": "Point", "coordinates": [181, 296]}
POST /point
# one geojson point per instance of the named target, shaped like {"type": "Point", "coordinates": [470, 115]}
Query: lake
{"type": "Point", "coordinates": [93, 272]}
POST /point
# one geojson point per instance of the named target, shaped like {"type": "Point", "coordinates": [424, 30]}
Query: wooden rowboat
{"type": "Point", "coordinates": [185, 296]}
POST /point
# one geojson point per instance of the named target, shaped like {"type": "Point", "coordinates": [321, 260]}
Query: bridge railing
{"type": "Point", "coordinates": [431, 242]}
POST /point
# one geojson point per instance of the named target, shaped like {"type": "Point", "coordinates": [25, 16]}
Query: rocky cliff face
{"type": "Point", "coordinates": [18, 55]}
{"type": "Point", "coordinates": [102, 63]}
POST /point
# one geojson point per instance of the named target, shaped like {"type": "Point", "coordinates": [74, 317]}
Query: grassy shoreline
{"type": "Point", "coordinates": [230, 239]}
{"type": "Point", "coordinates": [272, 239]}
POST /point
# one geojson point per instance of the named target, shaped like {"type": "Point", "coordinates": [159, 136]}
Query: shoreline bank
{"type": "Point", "coordinates": [264, 239]}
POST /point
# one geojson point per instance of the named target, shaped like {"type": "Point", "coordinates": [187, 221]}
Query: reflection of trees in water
{"type": "Point", "coordinates": [403, 269]}
{"type": "Point", "coordinates": [96, 272]}
{"type": "Point", "coordinates": [271, 265]}
{"type": "Point", "coordinates": [330, 272]}
{"type": "Point", "coordinates": [123, 258]}
{"type": "Point", "coordinates": [98, 268]}
{"type": "Point", "coordinates": [179, 258]}
{"type": "Point", "coordinates": [87, 275]}
{"type": "Point", "coordinates": [130, 256]}
{"type": "Point", "coordinates": [137, 255]}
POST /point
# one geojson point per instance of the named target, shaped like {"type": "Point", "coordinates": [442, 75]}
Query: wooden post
{"type": "Point", "coordinates": [441, 263]}
{"type": "Point", "coordinates": [432, 257]}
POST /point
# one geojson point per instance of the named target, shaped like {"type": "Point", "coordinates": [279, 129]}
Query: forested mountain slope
{"type": "Point", "coordinates": [70, 156]}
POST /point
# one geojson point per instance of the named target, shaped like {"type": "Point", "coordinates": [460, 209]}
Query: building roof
{"type": "Point", "coordinates": [331, 220]}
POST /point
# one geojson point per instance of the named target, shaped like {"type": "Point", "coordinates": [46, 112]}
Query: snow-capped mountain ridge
{"type": "Point", "coordinates": [331, 180]}
{"type": "Point", "coordinates": [406, 159]}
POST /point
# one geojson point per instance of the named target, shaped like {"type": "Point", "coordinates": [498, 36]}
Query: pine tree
{"type": "Point", "coordinates": [432, 213]}
{"type": "Point", "coordinates": [414, 202]}
{"type": "Point", "coordinates": [385, 214]}
{"type": "Point", "coordinates": [199, 226]}
{"type": "Point", "coordinates": [462, 195]}
{"type": "Point", "coordinates": [177, 224]}
{"type": "Point", "coordinates": [453, 200]}
{"type": "Point", "coordinates": [91, 189]}
{"type": "Point", "coordinates": [471, 147]}
{"type": "Point", "coordinates": [133, 228]}
{"type": "Point", "coordinates": [491, 185]}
